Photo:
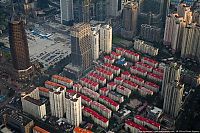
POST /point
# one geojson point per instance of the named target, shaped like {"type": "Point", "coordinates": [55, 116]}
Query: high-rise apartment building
{"type": "Point", "coordinates": [19, 48]}
{"type": "Point", "coordinates": [150, 33]}
{"type": "Point", "coordinates": [196, 16]}
{"type": "Point", "coordinates": [95, 44]}
{"type": "Point", "coordinates": [57, 102]}
{"type": "Point", "coordinates": [174, 31]}
{"type": "Point", "coordinates": [129, 20]}
{"type": "Point", "coordinates": [164, 8]}
{"type": "Point", "coordinates": [81, 10]}
{"type": "Point", "coordinates": [98, 10]}
{"type": "Point", "coordinates": [32, 104]}
{"type": "Point", "coordinates": [185, 11]}
{"type": "Point", "coordinates": [172, 72]}
{"type": "Point", "coordinates": [67, 12]}
{"type": "Point", "coordinates": [113, 8]}
{"type": "Point", "coordinates": [191, 42]}
{"type": "Point", "coordinates": [173, 98]}
{"type": "Point", "coordinates": [106, 38]}
{"type": "Point", "coordinates": [73, 109]}
{"type": "Point", "coordinates": [81, 45]}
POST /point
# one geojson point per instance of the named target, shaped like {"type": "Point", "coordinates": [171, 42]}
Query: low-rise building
{"type": "Point", "coordinates": [51, 85]}
{"type": "Point", "coordinates": [118, 80]}
{"type": "Point", "coordinates": [114, 69]}
{"type": "Point", "coordinates": [97, 78]}
{"type": "Point", "coordinates": [154, 77]}
{"type": "Point", "coordinates": [125, 75]}
{"type": "Point", "coordinates": [149, 61]}
{"type": "Point", "coordinates": [81, 130]}
{"type": "Point", "coordinates": [115, 55]}
{"type": "Point", "coordinates": [123, 90]}
{"type": "Point", "coordinates": [97, 118]}
{"type": "Point", "coordinates": [18, 121]}
{"type": "Point", "coordinates": [43, 91]}
{"type": "Point", "coordinates": [89, 84]}
{"type": "Point", "coordinates": [77, 87]}
{"type": "Point", "coordinates": [85, 100]}
{"type": "Point", "coordinates": [147, 122]}
{"type": "Point", "coordinates": [104, 91]}
{"type": "Point", "coordinates": [103, 110]}
{"type": "Point", "coordinates": [133, 127]}
{"type": "Point", "coordinates": [138, 71]}
{"type": "Point", "coordinates": [105, 73]}
{"type": "Point", "coordinates": [144, 66]}
{"type": "Point", "coordinates": [151, 86]}
{"type": "Point", "coordinates": [90, 93]}
{"type": "Point", "coordinates": [62, 80]}
{"type": "Point", "coordinates": [132, 55]}
{"type": "Point", "coordinates": [120, 51]}
{"type": "Point", "coordinates": [131, 85]}
{"type": "Point", "coordinates": [144, 91]}
{"type": "Point", "coordinates": [109, 102]}
{"type": "Point", "coordinates": [111, 85]}
{"type": "Point", "coordinates": [137, 80]}
{"type": "Point", "coordinates": [109, 59]}
{"type": "Point", "coordinates": [116, 96]}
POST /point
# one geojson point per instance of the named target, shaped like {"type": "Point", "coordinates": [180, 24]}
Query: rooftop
{"type": "Point", "coordinates": [39, 129]}
{"type": "Point", "coordinates": [34, 101]}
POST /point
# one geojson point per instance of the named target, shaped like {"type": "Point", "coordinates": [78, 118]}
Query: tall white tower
{"type": "Point", "coordinates": [106, 38]}
{"type": "Point", "coordinates": [73, 109]}
{"type": "Point", "coordinates": [56, 98]}
{"type": "Point", "coordinates": [95, 44]}
{"type": "Point", "coordinates": [67, 13]}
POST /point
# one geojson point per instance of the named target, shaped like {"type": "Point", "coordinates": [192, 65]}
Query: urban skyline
{"type": "Point", "coordinates": [99, 66]}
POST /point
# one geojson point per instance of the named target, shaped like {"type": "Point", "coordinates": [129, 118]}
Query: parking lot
{"type": "Point", "coordinates": [48, 50]}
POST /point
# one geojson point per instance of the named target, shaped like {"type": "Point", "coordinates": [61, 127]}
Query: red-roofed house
{"type": "Point", "coordinates": [109, 102]}
{"type": "Point", "coordinates": [133, 127]}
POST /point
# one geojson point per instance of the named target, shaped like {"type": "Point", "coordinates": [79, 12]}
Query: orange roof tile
{"type": "Point", "coordinates": [81, 130]}
{"type": "Point", "coordinates": [40, 130]}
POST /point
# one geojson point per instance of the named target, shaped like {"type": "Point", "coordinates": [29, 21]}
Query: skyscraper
{"type": "Point", "coordinates": [19, 48]}
{"type": "Point", "coordinates": [173, 98]}
{"type": "Point", "coordinates": [113, 8]}
{"type": "Point", "coordinates": [99, 10]}
{"type": "Point", "coordinates": [191, 42]}
{"type": "Point", "coordinates": [57, 102]}
{"type": "Point", "coordinates": [73, 109]}
{"type": "Point", "coordinates": [81, 46]}
{"type": "Point", "coordinates": [106, 38]}
{"type": "Point", "coordinates": [164, 8]}
{"type": "Point", "coordinates": [67, 12]}
{"type": "Point", "coordinates": [95, 44]}
{"type": "Point", "coordinates": [174, 31]}
{"type": "Point", "coordinates": [81, 10]}
{"type": "Point", "coordinates": [129, 20]}
{"type": "Point", "coordinates": [172, 72]}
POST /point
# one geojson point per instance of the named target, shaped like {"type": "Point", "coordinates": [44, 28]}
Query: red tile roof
{"type": "Point", "coordinates": [43, 89]}
{"type": "Point", "coordinates": [54, 84]}
{"type": "Point", "coordinates": [137, 78]}
{"type": "Point", "coordinates": [147, 121]}
{"type": "Point", "coordinates": [126, 73]}
{"type": "Point", "coordinates": [102, 70]}
{"type": "Point", "coordinates": [109, 100]}
{"type": "Point", "coordinates": [152, 84]}
{"type": "Point", "coordinates": [65, 79]}
{"type": "Point", "coordinates": [130, 83]}
{"type": "Point", "coordinates": [133, 124]}
{"type": "Point", "coordinates": [95, 114]}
